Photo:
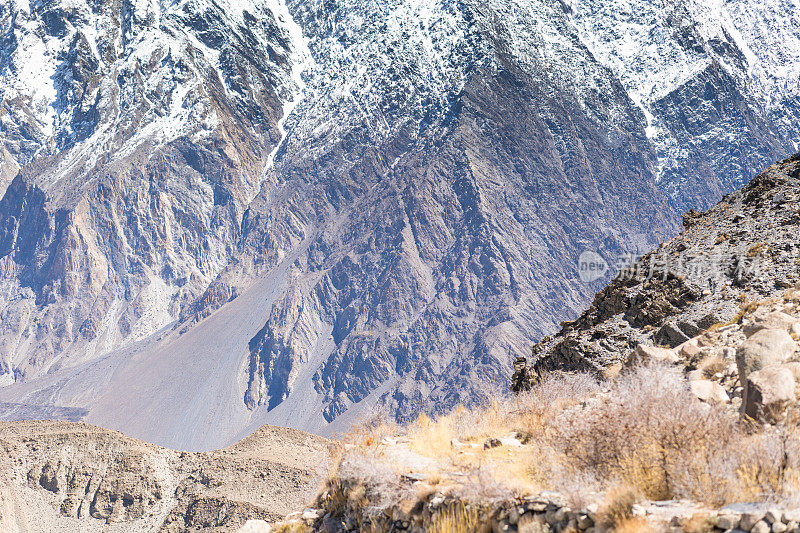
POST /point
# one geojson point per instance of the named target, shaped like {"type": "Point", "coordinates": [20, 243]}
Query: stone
{"type": "Point", "coordinates": [773, 515]}
{"type": "Point", "coordinates": [255, 526]}
{"type": "Point", "coordinates": [695, 375]}
{"type": "Point", "coordinates": [761, 527]}
{"type": "Point", "coordinates": [749, 520]}
{"type": "Point", "coordinates": [671, 335]}
{"type": "Point", "coordinates": [643, 355]}
{"type": "Point", "coordinates": [690, 348]}
{"type": "Point", "coordinates": [727, 521]}
{"type": "Point", "coordinates": [767, 393]}
{"type": "Point", "coordinates": [709, 391]}
{"type": "Point", "coordinates": [492, 443]}
{"type": "Point", "coordinates": [774, 320]}
{"type": "Point", "coordinates": [779, 527]}
{"type": "Point", "coordinates": [764, 348]}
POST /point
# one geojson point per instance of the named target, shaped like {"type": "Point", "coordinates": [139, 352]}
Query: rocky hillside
{"type": "Point", "coordinates": [57, 476]}
{"type": "Point", "coordinates": [728, 259]}
{"type": "Point", "coordinates": [219, 214]}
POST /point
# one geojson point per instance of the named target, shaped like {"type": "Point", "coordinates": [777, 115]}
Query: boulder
{"type": "Point", "coordinates": [768, 392]}
{"type": "Point", "coordinates": [764, 348]}
{"type": "Point", "coordinates": [670, 334]}
{"type": "Point", "coordinates": [727, 522]}
{"type": "Point", "coordinates": [255, 526]}
{"type": "Point", "coordinates": [773, 320]}
{"type": "Point", "coordinates": [690, 348]}
{"type": "Point", "coordinates": [709, 391]}
{"type": "Point", "coordinates": [644, 355]}
{"type": "Point", "coordinates": [761, 527]}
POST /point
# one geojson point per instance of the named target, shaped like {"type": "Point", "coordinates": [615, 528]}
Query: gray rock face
{"type": "Point", "coordinates": [140, 132]}
{"type": "Point", "coordinates": [196, 238]}
{"type": "Point", "coordinates": [742, 251]}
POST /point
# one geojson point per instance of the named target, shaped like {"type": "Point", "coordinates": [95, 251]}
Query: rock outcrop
{"type": "Point", "coordinates": [733, 263]}
{"type": "Point", "coordinates": [63, 476]}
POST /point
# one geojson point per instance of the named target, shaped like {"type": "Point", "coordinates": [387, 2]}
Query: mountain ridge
{"type": "Point", "coordinates": [399, 190]}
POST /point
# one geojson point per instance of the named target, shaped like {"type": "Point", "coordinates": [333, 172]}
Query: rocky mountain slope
{"type": "Point", "coordinates": [739, 253]}
{"type": "Point", "coordinates": [220, 214]}
{"type": "Point", "coordinates": [60, 476]}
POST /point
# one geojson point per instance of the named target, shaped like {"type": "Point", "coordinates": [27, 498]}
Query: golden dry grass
{"type": "Point", "coordinates": [617, 507]}
{"type": "Point", "coordinates": [633, 525]}
{"type": "Point", "coordinates": [460, 518]}
{"type": "Point", "coordinates": [646, 432]}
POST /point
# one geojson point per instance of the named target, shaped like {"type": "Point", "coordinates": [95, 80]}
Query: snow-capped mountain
{"type": "Point", "coordinates": [719, 83]}
{"type": "Point", "coordinates": [225, 213]}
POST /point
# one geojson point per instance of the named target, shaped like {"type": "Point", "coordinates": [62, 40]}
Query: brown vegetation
{"type": "Point", "coordinates": [644, 433]}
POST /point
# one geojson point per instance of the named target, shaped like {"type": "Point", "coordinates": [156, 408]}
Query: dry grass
{"type": "Point", "coordinates": [458, 518]}
{"type": "Point", "coordinates": [617, 508]}
{"type": "Point", "coordinates": [645, 432]}
{"type": "Point", "coordinates": [710, 366]}
{"type": "Point", "coordinates": [294, 527]}
{"type": "Point", "coordinates": [699, 523]}
{"type": "Point", "coordinates": [633, 525]}
{"type": "Point", "coordinates": [371, 430]}
{"type": "Point", "coordinates": [432, 438]}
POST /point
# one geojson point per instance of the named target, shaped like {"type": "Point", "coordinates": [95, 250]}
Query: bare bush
{"type": "Point", "coordinates": [644, 432]}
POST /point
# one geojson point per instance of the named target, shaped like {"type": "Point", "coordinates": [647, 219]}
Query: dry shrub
{"type": "Point", "coordinates": [645, 431]}
{"type": "Point", "coordinates": [364, 480]}
{"type": "Point", "coordinates": [712, 366]}
{"type": "Point", "coordinates": [653, 436]}
{"type": "Point", "coordinates": [457, 518]}
{"type": "Point", "coordinates": [635, 524]}
{"type": "Point", "coordinates": [432, 437]}
{"type": "Point", "coordinates": [768, 466]}
{"type": "Point", "coordinates": [649, 425]}
{"type": "Point", "coordinates": [699, 523]}
{"type": "Point", "coordinates": [535, 409]}
{"type": "Point", "coordinates": [371, 429]}
{"type": "Point", "coordinates": [617, 508]}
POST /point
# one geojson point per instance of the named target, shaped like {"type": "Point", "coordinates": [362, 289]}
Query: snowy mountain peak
{"type": "Point", "coordinates": [218, 213]}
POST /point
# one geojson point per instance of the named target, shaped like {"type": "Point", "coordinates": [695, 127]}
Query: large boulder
{"type": "Point", "coordinates": [709, 391]}
{"type": "Point", "coordinates": [773, 320]}
{"type": "Point", "coordinates": [768, 393]}
{"type": "Point", "coordinates": [764, 348]}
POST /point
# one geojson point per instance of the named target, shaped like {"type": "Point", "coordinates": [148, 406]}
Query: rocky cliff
{"type": "Point", "coordinates": [220, 214]}
{"type": "Point", "coordinates": [728, 260]}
